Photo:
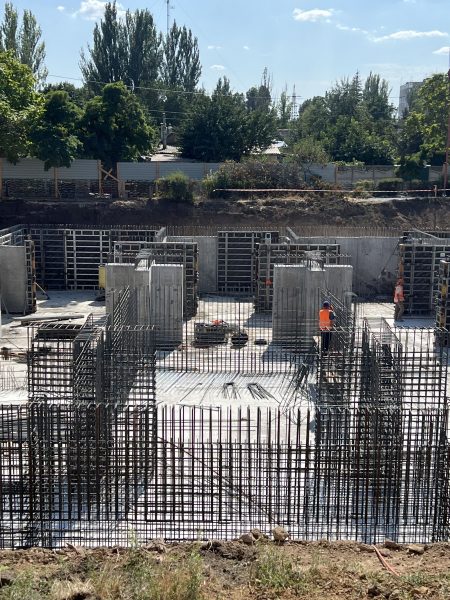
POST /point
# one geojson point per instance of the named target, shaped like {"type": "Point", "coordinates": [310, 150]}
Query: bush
{"type": "Point", "coordinates": [412, 169]}
{"type": "Point", "coordinates": [394, 184]}
{"type": "Point", "coordinates": [176, 187]}
{"type": "Point", "coordinates": [256, 174]}
{"type": "Point", "coordinates": [363, 187]}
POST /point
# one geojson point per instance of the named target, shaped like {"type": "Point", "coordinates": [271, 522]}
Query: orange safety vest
{"type": "Point", "coordinates": [325, 322]}
{"type": "Point", "coordinates": [398, 294]}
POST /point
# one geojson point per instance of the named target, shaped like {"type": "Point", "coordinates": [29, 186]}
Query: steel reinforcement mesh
{"type": "Point", "coordinates": [102, 475]}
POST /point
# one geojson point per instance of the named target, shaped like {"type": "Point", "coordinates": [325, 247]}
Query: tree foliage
{"type": "Point", "coordinates": [424, 130]}
{"type": "Point", "coordinates": [19, 106]}
{"type": "Point", "coordinates": [23, 40]}
{"type": "Point", "coordinates": [284, 110]}
{"type": "Point", "coordinates": [114, 127]}
{"type": "Point", "coordinates": [353, 121]}
{"type": "Point", "coordinates": [180, 66]}
{"type": "Point", "coordinates": [54, 136]}
{"type": "Point", "coordinates": [125, 50]}
{"type": "Point", "coordinates": [222, 127]}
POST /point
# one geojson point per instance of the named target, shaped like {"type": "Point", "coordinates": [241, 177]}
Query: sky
{"type": "Point", "coordinates": [306, 44]}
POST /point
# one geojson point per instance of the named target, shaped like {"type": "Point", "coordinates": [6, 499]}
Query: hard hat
{"type": "Point", "coordinates": [326, 304]}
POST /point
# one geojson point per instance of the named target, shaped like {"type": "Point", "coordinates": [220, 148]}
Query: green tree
{"type": "Point", "coordinates": [180, 66]}
{"type": "Point", "coordinates": [24, 40]}
{"type": "Point", "coordinates": [53, 136]}
{"type": "Point", "coordinates": [309, 150]}
{"type": "Point", "coordinates": [375, 98]}
{"type": "Point", "coordinates": [353, 121]}
{"type": "Point", "coordinates": [77, 95]}
{"type": "Point", "coordinates": [284, 110]}
{"type": "Point", "coordinates": [425, 128]}
{"type": "Point", "coordinates": [221, 127]}
{"type": "Point", "coordinates": [114, 127]}
{"type": "Point", "coordinates": [19, 106]}
{"type": "Point", "coordinates": [260, 98]}
{"type": "Point", "coordinates": [125, 50]}
{"type": "Point", "coordinates": [344, 97]}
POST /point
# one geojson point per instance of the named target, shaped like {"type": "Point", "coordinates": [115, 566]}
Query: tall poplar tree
{"type": "Point", "coordinates": [23, 40]}
{"type": "Point", "coordinates": [180, 67]}
{"type": "Point", "coordinates": [124, 49]}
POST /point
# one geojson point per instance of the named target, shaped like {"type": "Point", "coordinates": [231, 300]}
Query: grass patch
{"type": "Point", "coordinates": [26, 586]}
{"type": "Point", "coordinates": [142, 577]}
{"type": "Point", "coordinates": [275, 572]}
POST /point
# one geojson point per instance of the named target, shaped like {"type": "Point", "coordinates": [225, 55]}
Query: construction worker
{"type": "Point", "coordinates": [399, 300]}
{"type": "Point", "coordinates": [326, 322]}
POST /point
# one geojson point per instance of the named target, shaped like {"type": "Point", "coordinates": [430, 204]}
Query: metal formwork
{"type": "Point", "coordinates": [69, 257]}
{"type": "Point", "coordinates": [420, 255]}
{"type": "Point", "coordinates": [269, 255]}
{"type": "Point", "coordinates": [237, 258]}
{"type": "Point", "coordinates": [443, 300]}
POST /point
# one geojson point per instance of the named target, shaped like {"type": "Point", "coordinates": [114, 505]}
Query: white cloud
{"type": "Point", "coordinates": [61, 8]}
{"type": "Point", "coordinates": [410, 34]}
{"type": "Point", "coordinates": [246, 47]}
{"type": "Point", "coordinates": [409, 1]}
{"type": "Point", "coordinates": [212, 47]}
{"type": "Point", "coordinates": [313, 15]}
{"type": "Point", "coordinates": [91, 10]}
{"type": "Point", "coordinates": [444, 51]}
{"type": "Point", "coordinates": [217, 67]}
{"type": "Point", "coordinates": [352, 29]}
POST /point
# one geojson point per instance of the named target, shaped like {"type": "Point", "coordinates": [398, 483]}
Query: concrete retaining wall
{"type": "Point", "coordinates": [374, 261]}
{"type": "Point", "coordinates": [207, 260]}
{"type": "Point", "coordinates": [13, 279]}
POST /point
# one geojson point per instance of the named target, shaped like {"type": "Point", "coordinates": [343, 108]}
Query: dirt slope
{"type": "Point", "coordinates": [401, 214]}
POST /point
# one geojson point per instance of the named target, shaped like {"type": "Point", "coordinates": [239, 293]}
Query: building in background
{"type": "Point", "coordinates": [407, 91]}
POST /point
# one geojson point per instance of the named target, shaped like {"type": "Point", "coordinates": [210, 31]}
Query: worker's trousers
{"type": "Point", "coordinates": [399, 310]}
{"type": "Point", "coordinates": [325, 338]}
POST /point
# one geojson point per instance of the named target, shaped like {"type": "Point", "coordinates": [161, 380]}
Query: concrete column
{"type": "Point", "coordinates": [117, 277]}
{"type": "Point", "coordinates": [289, 307]}
{"type": "Point", "coordinates": [166, 304]}
{"type": "Point", "coordinates": [207, 260]}
{"type": "Point", "coordinates": [339, 279]}
{"type": "Point", "coordinates": [13, 279]}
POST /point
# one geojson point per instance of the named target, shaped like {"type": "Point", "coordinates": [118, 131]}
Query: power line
{"type": "Point", "coordinates": [186, 92]}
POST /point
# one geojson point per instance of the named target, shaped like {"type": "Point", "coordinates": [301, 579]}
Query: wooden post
{"type": "Point", "coordinates": [100, 177]}
{"type": "Point", "coordinates": [55, 181]}
{"type": "Point", "coordinates": [120, 184]}
{"type": "Point", "coordinates": [1, 177]}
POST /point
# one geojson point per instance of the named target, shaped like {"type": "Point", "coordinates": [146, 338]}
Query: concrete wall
{"type": "Point", "coordinates": [297, 299]}
{"type": "Point", "coordinates": [374, 261]}
{"type": "Point", "coordinates": [207, 260]}
{"type": "Point", "coordinates": [117, 277]}
{"type": "Point", "coordinates": [166, 304]}
{"type": "Point", "coordinates": [13, 279]}
{"type": "Point", "coordinates": [289, 302]}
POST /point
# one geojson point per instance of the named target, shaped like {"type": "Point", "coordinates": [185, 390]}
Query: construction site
{"type": "Point", "coordinates": [171, 382]}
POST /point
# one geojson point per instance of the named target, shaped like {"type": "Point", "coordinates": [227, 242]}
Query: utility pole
{"type": "Point", "coordinates": [294, 103]}
{"type": "Point", "coordinates": [164, 132]}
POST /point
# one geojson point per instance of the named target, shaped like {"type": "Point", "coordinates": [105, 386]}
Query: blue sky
{"type": "Point", "coordinates": [309, 44]}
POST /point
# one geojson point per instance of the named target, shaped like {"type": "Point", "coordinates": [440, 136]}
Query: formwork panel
{"type": "Point", "coordinates": [236, 258]}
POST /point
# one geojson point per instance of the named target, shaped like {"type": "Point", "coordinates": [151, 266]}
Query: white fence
{"type": "Point", "coordinates": [89, 173]}
{"type": "Point", "coordinates": [32, 168]}
{"type": "Point", "coordinates": [149, 171]}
